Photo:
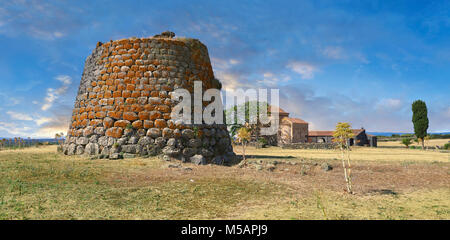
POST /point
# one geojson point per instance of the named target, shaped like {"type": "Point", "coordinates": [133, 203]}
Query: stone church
{"type": "Point", "coordinates": [291, 130]}
{"type": "Point", "coordinates": [295, 130]}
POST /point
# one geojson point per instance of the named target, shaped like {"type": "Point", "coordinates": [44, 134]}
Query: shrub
{"type": "Point", "coordinates": [406, 142]}
{"type": "Point", "coordinates": [447, 146]}
{"type": "Point", "coordinates": [262, 140]}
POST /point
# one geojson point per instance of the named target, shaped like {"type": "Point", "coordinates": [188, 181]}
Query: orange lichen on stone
{"type": "Point", "coordinates": [95, 122]}
{"type": "Point", "coordinates": [115, 114]}
{"type": "Point", "coordinates": [155, 115]}
{"type": "Point", "coordinates": [148, 124]}
{"type": "Point", "coordinates": [160, 123]}
{"type": "Point", "coordinates": [114, 132]}
{"type": "Point", "coordinates": [130, 116]}
{"type": "Point", "coordinates": [122, 123]}
{"type": "Point", "coordinates": [130, 87]}
{"type": "Point", "coordinates": [130, 100]}
{"type": "Point", "coordinates": [163, 108]}
{"type": "Point", "coordinates": [137, 124]}
{"type": "Point", "coordinates": [126, 94]}
{"type": "Point", "coordinates": [149, 107]}
{"type": "Point", "coordinates": [144, 115]}
{"type": "Point", "coordinates": [100, 114]}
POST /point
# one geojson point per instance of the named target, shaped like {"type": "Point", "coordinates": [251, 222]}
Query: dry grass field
{"type": "Point", "coordinates": [429, 143]}
{"type": "Point", "coordinates": [389, 183]}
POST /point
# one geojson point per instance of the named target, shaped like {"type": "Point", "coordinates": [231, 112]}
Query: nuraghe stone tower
{"type": "Point", "coordinates": [124, 102]}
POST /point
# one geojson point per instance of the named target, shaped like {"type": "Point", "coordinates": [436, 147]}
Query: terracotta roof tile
{"type": "Point", "coordinates": [330, 133]}
{"type": "Point", "coordinates": [274, 109]}
{"type": "Point", "coordinates": [320, 133]}
{"type": "Point", "coordinates": [295, 120]}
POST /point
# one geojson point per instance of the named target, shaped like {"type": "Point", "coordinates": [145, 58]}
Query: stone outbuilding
{"type": "Point", "coordinates": [361, 138]}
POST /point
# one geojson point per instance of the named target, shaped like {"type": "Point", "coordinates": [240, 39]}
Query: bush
{"type": "Point", "coordinates": [406, 142]}
{"type": "Point", "coordinates": [447, 146]}
{"type": "Point", "coordinates": [263, 141]}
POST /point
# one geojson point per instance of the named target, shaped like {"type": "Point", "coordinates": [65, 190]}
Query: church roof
{"type": "Point", "coordinates": [277, 109]}
{"type": "Point", "coordinates": [295, 120]}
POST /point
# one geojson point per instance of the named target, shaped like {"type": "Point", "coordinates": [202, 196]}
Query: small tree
{"type": "Point", "coordinates": [243, 136]}
{"type": "Point", "coordinates": [406, 142]}
{"type": "Point", "coordinates": [420, 120]}
{"type": "Point", "coordinates": [57, 136]}
{"type": "Point", "coordinates": [341, 135]}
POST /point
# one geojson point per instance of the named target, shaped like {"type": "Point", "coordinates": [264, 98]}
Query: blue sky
{"type": "Point", "coordinates": [358, 61]}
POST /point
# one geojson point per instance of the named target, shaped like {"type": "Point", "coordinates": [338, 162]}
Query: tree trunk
{"type": "Point", "coordinates": [345, 170]}
{"type": "Point", "coordinates": [349, 170]}
{"type": "Point", "coordinates": [243, 151]}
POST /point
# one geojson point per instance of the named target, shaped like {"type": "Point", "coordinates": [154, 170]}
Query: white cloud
{"type": "Point", "coordinates": [223, 63]}
{"type": "Point", "coordinates": [389, 104]}
{"type": "Point", "coordinates": [49, 132]}
{"type": "Point", "coordinates": [234, 61]}
{"type": "Point", "coordinates": [14, 130]}
{"type": "Point", "coordinates": [333, 52]}
{"type": "Point", "coordinates": [42, 120]}
{"type": "Point", "coordinates": [53, 94]}
{"type": "Point", "coordinates": [305, 70]}
{"type": "Point", "coordinates": [66, 80]}
{"type": "Point", "coordinates": [39, 19]}
{"type": "Point", "coordinates": [272, 80]}
{"type": "Point", "coordinates": [58, 34]}
{"type": "Point", "coordinates": [19, 116]}
{"type": "Point", "coordinates": [25, 117]}
{"type": "Point", "coordinates": [268, 75]}
{"type": "Point", "coordinates": [223, 70]}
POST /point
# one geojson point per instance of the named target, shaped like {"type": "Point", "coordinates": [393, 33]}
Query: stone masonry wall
{"type": "Point", "coordinates": [124, 102]}
{"type": "Point", "coordinates": [309, 146]}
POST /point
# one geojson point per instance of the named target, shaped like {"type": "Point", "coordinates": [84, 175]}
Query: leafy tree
{"type": "Point", "coordinates": [406, 142]}
{"type": "Point", "coordinates": [243, 137]}
{"type": "Point", "coordinates": [245, 107]}
{"type": "Point", "coordinates": [420, 120]}
{"type": "Point", "coordinates": [342, 134]}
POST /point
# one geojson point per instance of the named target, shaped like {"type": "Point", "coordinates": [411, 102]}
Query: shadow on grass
{"type": "Point", "coordinates": [265, 157]}
{"type": "Point", "coordinates": [383, 192]}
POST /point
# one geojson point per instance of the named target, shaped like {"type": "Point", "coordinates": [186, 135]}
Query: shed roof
{"type": "Point", "coordinates": [356, 132]}
{"type": "Point", "coordinates": [320, 133]}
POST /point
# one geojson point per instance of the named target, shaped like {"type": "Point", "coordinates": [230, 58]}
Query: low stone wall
{"type": "Point", "coordinates": [309, 146]}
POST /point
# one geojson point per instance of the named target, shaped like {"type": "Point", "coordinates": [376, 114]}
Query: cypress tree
{"type": "Point", "coordinates": [420, 119]}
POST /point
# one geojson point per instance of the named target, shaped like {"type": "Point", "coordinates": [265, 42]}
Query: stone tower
{"type": "Point", "coordinates": [124, 102]}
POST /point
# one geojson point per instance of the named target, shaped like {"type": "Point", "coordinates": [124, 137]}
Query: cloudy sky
{"type": "Point", "coordinates": [358, 61]}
